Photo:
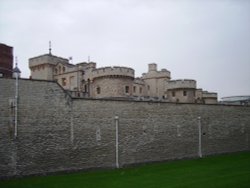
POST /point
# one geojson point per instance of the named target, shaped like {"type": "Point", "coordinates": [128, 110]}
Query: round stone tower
{"type": "Point", "coordinates": [115, 82]}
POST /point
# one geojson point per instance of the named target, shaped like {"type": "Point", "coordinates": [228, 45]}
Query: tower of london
{"type": "Point", "coordinates": [86, 80]}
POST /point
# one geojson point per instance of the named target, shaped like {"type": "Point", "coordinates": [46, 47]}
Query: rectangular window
{"type": "Point", "coordinates": [140, 90]}
{"type": "Point", "coordinates": [71, 80]}
{"type": "Point", "coordinates": [98, 90]}
{"type": "Point", "coordinates": [64, 82]}
{"type": "Point", "coordinates": [134, 88]}
{"type": "Point", "coordinates": [126, 89]}
{"type": "Point", "coordinates": [173, 93]}
{"type": "Point", "coordinates": [184, 93]}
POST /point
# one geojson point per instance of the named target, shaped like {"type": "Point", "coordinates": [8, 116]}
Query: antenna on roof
{"type": "Point", "coordinates": [49, 47]}
{"type": "Point", "coordinates": [88, 59]}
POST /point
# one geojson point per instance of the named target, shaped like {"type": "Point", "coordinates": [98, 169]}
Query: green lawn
{"type": "Point", "coordinates": [230, 170]}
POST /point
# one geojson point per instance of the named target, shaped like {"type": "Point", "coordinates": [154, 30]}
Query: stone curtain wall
{"type": "Point", "coordinates": [150, 131]}
{"type": "Point", "coordinates": [43, 128]}
{"type": "Point", "coordinates": [57, 133]}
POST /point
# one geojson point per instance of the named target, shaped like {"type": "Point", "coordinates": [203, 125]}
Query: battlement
{"type": "Point", "coordinates": [113, 71]}
{"type": "Point", "coordinates": [206, 94]}
{"type": "Point", "coordinates": [164, 73]}
{"type": "Point", "coordinates": [85, 65]}
{"type": "Point", "coordinates": [46, 59]}
{"type": "Point", "coordinates": [179, 84]}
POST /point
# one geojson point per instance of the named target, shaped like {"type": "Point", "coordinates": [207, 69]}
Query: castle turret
{"type": "Point", "coordinates": [152, 67]}
{"type": "Point", "coordinates": [42, 67]}
{"type": "Point", "coordinates": [155, 81]}
{"type": "Point", "coordinates": [112, 82]}
{"type": "Point", "coordinates": [209, 97]}
{"type": "Point", "coordinates": [181, 90]}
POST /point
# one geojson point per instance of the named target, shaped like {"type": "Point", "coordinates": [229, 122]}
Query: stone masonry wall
{"type": "Point", "coordinates": [58, 133]}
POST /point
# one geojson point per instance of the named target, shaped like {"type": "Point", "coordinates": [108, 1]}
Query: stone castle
{"type": "Point", "coordinates": [86, 80]}
{"type": "Point", "coordinates": [48, 127]}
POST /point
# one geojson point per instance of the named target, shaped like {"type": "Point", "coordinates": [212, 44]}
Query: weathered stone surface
{"type": "Point", "coordinates": [57, 133]}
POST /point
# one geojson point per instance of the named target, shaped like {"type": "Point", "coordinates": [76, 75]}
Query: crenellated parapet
{"type": "Point", "coordinates": [46, 59]}
{"type": "Point", "coordinates": [113, 72]}
{"type": "Point", "coordinates": [153, 73]}
{"type": "Point", "coordinates": [164, 73]}
{"type": "Point", "coordinates": [206, 94]}
{"type": "Point", "coordinates": [86, 65]}
{"type": "Point", "coordinates": [181, 84]}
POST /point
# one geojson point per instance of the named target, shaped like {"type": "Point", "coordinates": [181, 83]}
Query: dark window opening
{"type": "Point", "coordinates": [173, 94]}
{"type": "Point", "coordinates": [98, 90]}
{"type": "Point", "coordinates": [126, 89]}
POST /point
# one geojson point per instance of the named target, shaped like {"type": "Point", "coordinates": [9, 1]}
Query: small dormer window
{"type": "Point", "coordinates": [56, 71]}
{"type": "Point", "coordinates": [64, 69]}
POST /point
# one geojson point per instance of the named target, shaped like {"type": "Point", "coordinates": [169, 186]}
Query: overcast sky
{"type": "Point", "coordinates": [205, 40]}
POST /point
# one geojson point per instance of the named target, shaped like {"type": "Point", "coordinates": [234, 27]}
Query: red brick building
{"type": "Point", "coordinates": [6, 60]}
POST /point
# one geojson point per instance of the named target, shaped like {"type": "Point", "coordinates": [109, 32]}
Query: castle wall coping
{"type": "Point", "coordinates": [109, 71]}
{"type": "Point", "coordinates": [181, 83]}
{"type": "Point", "coordinates": [183, 80]}
{"type": "Point", "coordinates": [151, 101]}
{"type": "Point", "coordinates": [156, 74]}
{"type": "Point", "coordinates": [42, 59]}
{"type": "Point", "coordinates": [209, 94]}
{"type": "Point", "coordinates": [47, 55]}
